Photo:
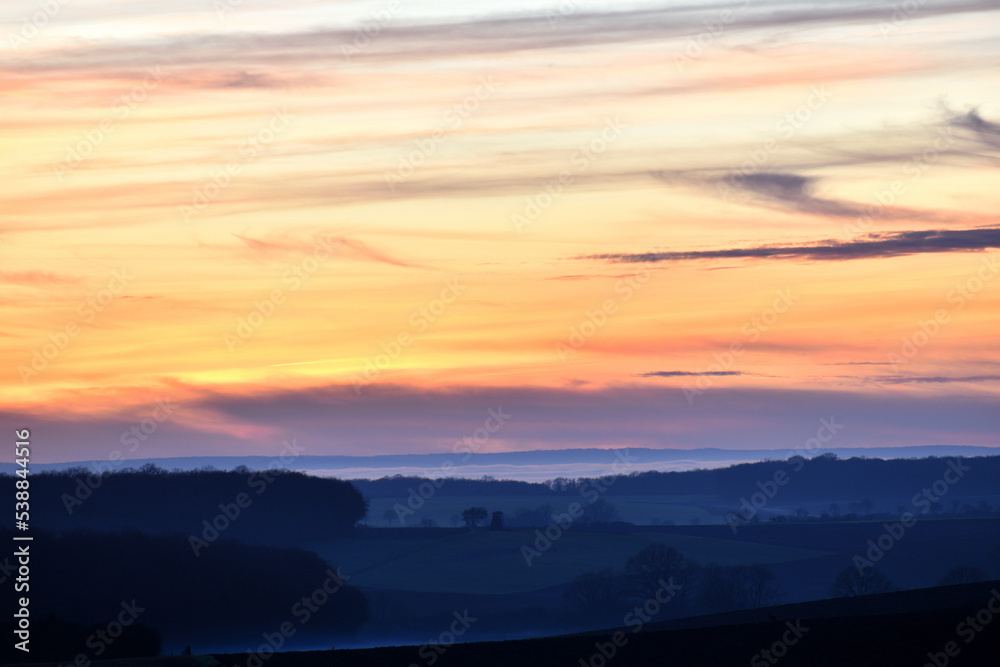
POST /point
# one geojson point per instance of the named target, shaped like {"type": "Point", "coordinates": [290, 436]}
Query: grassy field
{"type": "Point", "coordinates": [483, 561]}
{"type": "Point", "coordinates": [635, 509]}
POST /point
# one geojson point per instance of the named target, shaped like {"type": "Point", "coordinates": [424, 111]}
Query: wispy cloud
{"type": "Point", "coordinates": [675, 374]}
{"type": "Point", "coordinates": [871, 246]}
{"type": "Point", "coordinates": [37, 278]}
{"type": "Point", "coordinates": [934, 379]}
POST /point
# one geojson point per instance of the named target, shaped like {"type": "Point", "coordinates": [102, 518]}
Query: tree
{"type": "Point", "coordinates": [834, 509]}
{"type": "Point", "coordinates": [595, 591]}
{"type": "Point", "coordinates": [473, 516]}
{"type": "Point", "coordinates": [963, 574]}
{"type": "Point", "coordinates": [428, 523]}
{"type": "Point", "coordinates": [388, 516]}
{"type": "Point", "coordinates": [600, 511]}
{"type": "Point", "coordinates": [655, 563]}
{"type": "Point", "coordinates": [851, 582]}
{"type": "Point", "coordinates": [724, 588]}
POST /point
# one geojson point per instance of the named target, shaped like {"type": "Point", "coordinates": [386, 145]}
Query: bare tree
{"type": "Point", "coordinates": [593, 591]}
{"type": "Point", "coordinates": [724, 588]}
{"type": "Point", "coordinates": [851, 582]}
{"type": "Point", "coordinates": [600, 511]}
{"type": "Point", "coordinates": [658, 563]}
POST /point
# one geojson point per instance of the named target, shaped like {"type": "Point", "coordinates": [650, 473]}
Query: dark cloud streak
{"type": "Point", "coordinates": [872, 246]}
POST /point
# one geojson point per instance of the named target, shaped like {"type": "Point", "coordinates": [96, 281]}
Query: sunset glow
{"type": "Point", "coordinates": [362, 225]}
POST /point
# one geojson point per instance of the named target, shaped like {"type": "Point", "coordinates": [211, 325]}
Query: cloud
{"type": "Point", "coordinates": [858, 363]}
{"type": "Point", "coordinates": [393, 419]}
{"type": "Point", "coordinates": [792, 190]}
{"type": "Point", "coordinates": [285, 245]}
{"type": "Point", "coordinates": [674, 374]}
{"type": "Point", "coordinates": [871, 246]}
{"type": "Point", "coordinates": [36, 278]}
{"type": "Point", "coordinates": [934, 379]}
{"type": "Point", "coordinates": [484, 36]}
{"type": "Point", "coordinates": [974, 121]}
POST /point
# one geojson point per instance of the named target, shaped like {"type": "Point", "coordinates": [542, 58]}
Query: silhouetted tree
{"type": "Point", "coordinates": [850, 582]}
{"type": "Point", "coordinates": [600, 511]}
{"type": "Point", "coordinates": [473, 516]}
{"type": "Point", "coordinates": [225, 594]}
{"type": "Point", "coordinates": [270, 503]}
{"type": "Point", "coordinates": [388, 515]}
{"type": "Point", "coordinates": [723, 588]}
{"type": "Point", "coordinates": [592, 591]}
{"type": "Point", "coordinates": [655, 563]}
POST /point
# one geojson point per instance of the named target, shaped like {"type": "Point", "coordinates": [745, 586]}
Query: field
{"type": "Point", "coordinates": [640, 510]}
{"type": "Point", "coordinates": [484, 561]}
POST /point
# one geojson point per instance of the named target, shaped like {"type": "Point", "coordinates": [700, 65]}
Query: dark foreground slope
{"type": "Point", "coordinates": [908, 628]}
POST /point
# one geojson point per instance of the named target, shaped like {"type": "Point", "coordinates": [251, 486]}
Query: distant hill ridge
{"type": "Point", "coordinates": [535, 465]}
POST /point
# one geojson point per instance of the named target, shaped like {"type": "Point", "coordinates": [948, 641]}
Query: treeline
{"type": "Point", "coordinates": [269, 507]}
{"type": "Point", "coordinates": [808, 480]}
{"type": "Point", "coordinates": [659, 571]}
{"type": "Point", "coordinates": [230, 593]}
{"type": "Point", "coordinates": [659, 575]}
{"type": "Point", "coordinates": [823, 477]}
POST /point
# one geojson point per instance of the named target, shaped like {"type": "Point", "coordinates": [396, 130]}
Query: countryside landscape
{"type": "Point", "coordinates": [569, 333]}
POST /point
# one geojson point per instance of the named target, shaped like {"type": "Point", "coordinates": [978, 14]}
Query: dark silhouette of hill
{"type": "Point", "coordinates": [275, 507]}
{"type": "Point", "coordinates": [907, 628]}
{"type": "Point", "coordinates": [703, 457]}
{"type": "Point", "coordinates": [808, 479]}
{"type": "Point", "coordinates": [230, 593]}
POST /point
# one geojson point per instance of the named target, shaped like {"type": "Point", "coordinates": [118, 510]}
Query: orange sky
{"type": "Point", "coordinates": [247, 208]}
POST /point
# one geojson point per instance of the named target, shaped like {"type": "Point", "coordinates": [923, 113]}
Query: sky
{"type": "Point", "coordinates": [360, 227]}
